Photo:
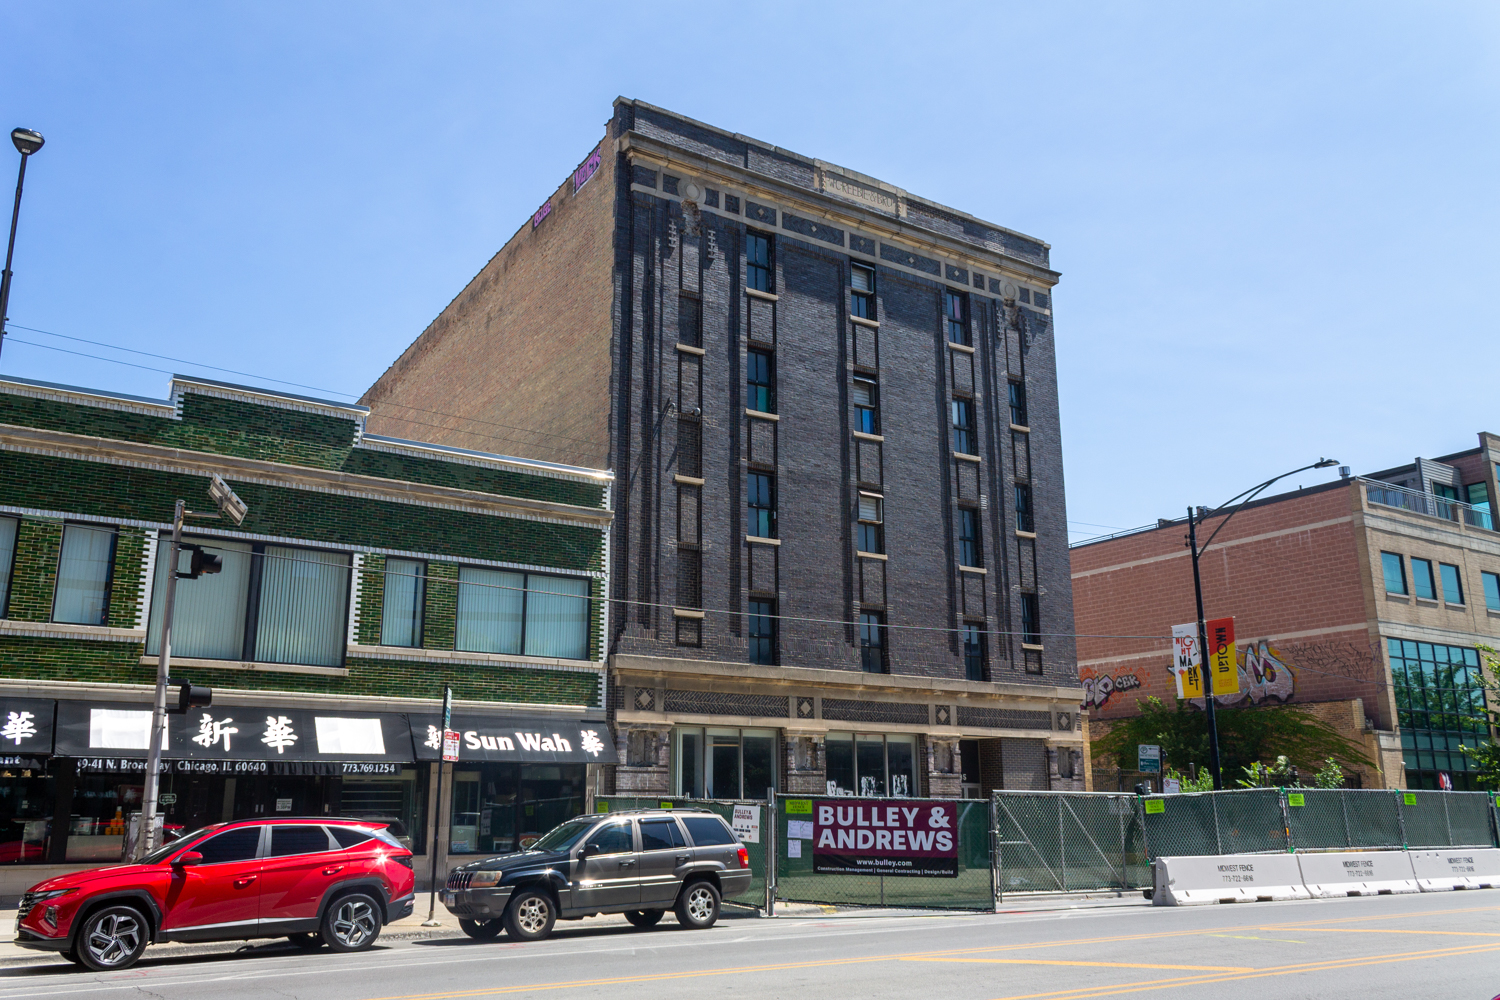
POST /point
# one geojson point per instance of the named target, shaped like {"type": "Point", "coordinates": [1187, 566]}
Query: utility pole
{"type": "Point", "coordinates": [26, 142]}
{"type": "Point", "coordinates": [1208, 681]}
{"type": "Point", "coordinates": [437, 811]}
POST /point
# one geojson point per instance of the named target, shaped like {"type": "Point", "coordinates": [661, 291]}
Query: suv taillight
{"type": "Point", "coordinates": [402, 859]}
{"type": "Point", "coordinates": [744, 858]}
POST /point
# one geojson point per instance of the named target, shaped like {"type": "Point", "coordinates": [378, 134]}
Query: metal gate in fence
{"type": "Point", "coordinates": [1069, 841]}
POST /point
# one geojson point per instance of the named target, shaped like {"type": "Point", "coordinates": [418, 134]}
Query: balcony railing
{"type": "Point", "coordinates": [1389, 495]}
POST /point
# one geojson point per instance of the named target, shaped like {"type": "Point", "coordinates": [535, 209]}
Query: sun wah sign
{"type": "Point", "coordinates": [879, 837]}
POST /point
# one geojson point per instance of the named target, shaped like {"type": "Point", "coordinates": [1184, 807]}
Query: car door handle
{"type": "Point", "coordinates": [626, 864]}
{"type": "Point", "coordinates": [333, 869]}
{"type": "Point", "coordinates": [240, 883]}
{"type": "Point", "coordinates": [683, 859]}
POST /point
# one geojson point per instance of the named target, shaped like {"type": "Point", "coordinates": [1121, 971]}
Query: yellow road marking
{"type": "Point", "coordinates": [1252, 937]}
{"type": "Point", "coordinates": [1102, 965]}
{"type": "Point", "coordinates": [1397, 930]}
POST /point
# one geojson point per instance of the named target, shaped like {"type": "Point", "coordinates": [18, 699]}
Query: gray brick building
{"type": "Point", "coordinates": [839, 557]}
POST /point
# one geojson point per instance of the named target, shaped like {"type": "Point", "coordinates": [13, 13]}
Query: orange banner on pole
{"type": "Point", "coordinates": [1222, 664]}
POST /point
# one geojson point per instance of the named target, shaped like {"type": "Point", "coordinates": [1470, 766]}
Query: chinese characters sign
{"type": "Point", "coordinates": [885, 837]}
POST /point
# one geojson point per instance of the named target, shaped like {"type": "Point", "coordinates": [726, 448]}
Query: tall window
{"type": "Point", "coordinates": [871, 523]}
{"type": "Point", "coordinates": [872, 642]}
{"type": "Point", "coordinates": [1018, 404]}
{"type": "Point", "coordinates": [1453, 587]}
{"type": "Point", "coordinates": [83, 572]}
{"type": "Point", "coordinates": [760, 381]}
{"type": "Point", "coordinates": [522, 613]}
{"type": "Point", "coordinates": [1439, 704]}
{"type": "Point", "coordinates": [955, 313]}
{"type": "Point", "coordinates": [1024, 519]}
{"type": "Point", "coordinates": [963, 426]}
{"type": "Point", "coordinates": [8, 529]}
{"type": "Point", "coordinates": [1031, 627]}
{"type": "Point", "coordinates": [862, 294]}
{"type": "Point", "coordinates": [401, 613]}
{"type": "Point", "coordinates": [1394, 569]}
{"type": "Point", "coordinates": [1421, 579]}
{"type": "Point", "coordinates": [690, 447]}
{"type": "Point", "coordinates": [758, 262]}
{"type": "Point", "coordinates": [760, 517]}
{"type": "Point", "coordinates": [970, 552]}
{"type": "Point", "coordinates": [1491, 583]}
{"type": "Point", "coordinates": [871, 764]}
{"type": "Point", "coordinates": [866, 406]}
{"type": "Point", "coordinates": [268, 603]}
{"type": "Point", "coordinates": [689, 321]}
{"type": "Point", "coordinates": [974, 658]}
{"type": "Point", "coordinates": [723, 763]}
{"type": "Point", "coordinates": [762, 631]}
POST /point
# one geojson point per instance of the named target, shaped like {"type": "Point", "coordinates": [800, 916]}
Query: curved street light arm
{"type": "Point", "coordinates": [1255, 491]}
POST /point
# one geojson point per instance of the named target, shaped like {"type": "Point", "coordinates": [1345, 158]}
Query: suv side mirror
{"type": "Point", "coordinates": [187, 858]}
{"type": "Point", "coordinates": [589, 850]}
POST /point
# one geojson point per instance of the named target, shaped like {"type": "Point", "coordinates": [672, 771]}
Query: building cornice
{"type": "Point", "coordinates": [837, 210]}
{"type": "Point", "coordinates": [179, 460]}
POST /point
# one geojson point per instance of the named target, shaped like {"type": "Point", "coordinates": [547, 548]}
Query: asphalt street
{"type": "Point", "coordinates": [1419, 946]}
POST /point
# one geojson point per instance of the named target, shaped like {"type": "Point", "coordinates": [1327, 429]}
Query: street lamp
{"type": "Point", "coordinates": [26, 142]}
{"type": "Point", "coordinates": [1208, 689]}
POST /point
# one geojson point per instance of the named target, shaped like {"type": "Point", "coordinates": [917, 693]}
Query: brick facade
{"type": "Point", "coordinates": [656, 244]}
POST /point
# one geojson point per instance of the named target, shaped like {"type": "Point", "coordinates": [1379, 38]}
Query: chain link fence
{"type": "Point", "coordinates": [755, 895]}
{"type": "Point", "coordinates": [1069, 842]}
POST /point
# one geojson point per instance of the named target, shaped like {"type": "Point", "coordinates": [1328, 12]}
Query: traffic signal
{"type": "Point", "coordinates": [191, 696]}
{"type": "Point", "coordinates": [202, 562]}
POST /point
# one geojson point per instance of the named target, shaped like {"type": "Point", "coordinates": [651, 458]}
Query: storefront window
{"type": "Point", "coordinates": [723, 763]}
{"type": "Point", "coordinates": [871, 764]}
{"type": "Point", "coordinates": [399, 800]}
{"type": "Point", "coordinates": [102, 804]}
{"type": "Point", "coordinates": [505, 807]}
{"type": "Point", "coordinates": [25, 815]}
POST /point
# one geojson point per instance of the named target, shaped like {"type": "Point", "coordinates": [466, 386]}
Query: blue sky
{"type": "Point", "coordinates": [1275, 221]}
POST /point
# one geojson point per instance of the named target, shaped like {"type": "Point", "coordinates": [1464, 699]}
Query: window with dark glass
{"type": "Point", "coordinates": [1031, 628]}
{"type": "Point", "coordinates": [1453, 587]}
{"type": "Point", "coordinates": [760, 516]}
{"type": "Point", "coordinates": [1018, 404]}
{"type": "Point", "coordinates": [872, 642]}
{"type": "Point", "coordinates": [690, 447]}
{"type": "Point", "coordinates": [871, 764]}
{"type": "Point", "coordinates": [1421, 579]}
{"type": "Point", "coordinates": [969, 551]}
{"type": "Point", "coordinates": [1393, 567]}
{"type": "Point", "coordinates": [1440, 705]}
{"type": "Point", "coordinates": [862, 294]}
{"type": "Point", "coordinates": [1024, 519]}
{"type": "Point", "coordinates": [83, 575]}
{"type": "Point", "coordinates": [401, 610]}
{"type": "Point", "coordinates": [1491, 583]}
{"type": "Point", "coordinates": [871, 534]}
{"type": "Point", "coordinates": [760, 381]}
{"type": "Point", "coordinates": [8, 530]}
{"type": "Point", "coordinates": [762, 631]}
{"type": "Point", "coordinates": [1445, 492]}
{"type": "Point", "coordinates": [299, 839]}
{"type": "Point", "coordinates": [689, 321]}
{"type": "Point", "coordinates": [1479, 499]}
{"type": "Point", "coordinates": [974, 658]}
{"type": "Point", "coordinates": [866, 406]}
{"type": "Point", "coordinates": [963, 426]}
{"type": "Point", "coordinates": [758, 262]}
{"type": "Point", "coordinates": [955, 313]}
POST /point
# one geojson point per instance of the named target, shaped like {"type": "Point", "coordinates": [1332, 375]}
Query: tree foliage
{"type": "Point", "coordinates": [1247, 737]}
{"type": "Point", "coordinates": [1487, 755]}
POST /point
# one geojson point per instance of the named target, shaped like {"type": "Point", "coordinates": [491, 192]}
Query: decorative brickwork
{"type": "Point", "coordinates": [848, 710]}
{"type": "Point", "coordinates": [1003, 718]}
{"type": "Point", "coordinates": [720, 703]}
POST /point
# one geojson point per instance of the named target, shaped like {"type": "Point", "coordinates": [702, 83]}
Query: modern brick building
{"type": "Point", "coordinates": [369, 573]}
{"type": "Point", "coordinates": [1362, 600]}
{"type": "Point", "coordinates": [839, 555]}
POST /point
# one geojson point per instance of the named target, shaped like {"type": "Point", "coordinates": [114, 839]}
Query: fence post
{"type": "Point", "coordinates": [1447, 820]}
{"type": "Point", "coordinates": [1062, 845]}
{"type": "Point", "coordinates": [1401, 817]}
{"type": "Point", "coordinates": [771, 842]}
{"type": "Point", "coordinates": [995, 864]}
{"type": "Point", "coordinates": [1213, 804]}
{"type": "Point", "coordinates": [1344, 804]}
{"type": "Point", "coordinates": [1286, 819]}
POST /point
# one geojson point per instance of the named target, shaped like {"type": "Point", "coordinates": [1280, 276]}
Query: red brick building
{"type": "Point", "coordinates": [1362, 600]}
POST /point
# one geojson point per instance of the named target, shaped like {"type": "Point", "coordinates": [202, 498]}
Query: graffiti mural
{"type": "Point", "coordinates": [1264, 674]}
{"type": "Point", "coordinates": [1099, 687]}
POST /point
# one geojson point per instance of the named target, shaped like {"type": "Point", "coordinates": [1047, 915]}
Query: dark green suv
{"type": "Point", "coordinates": [640, 863]}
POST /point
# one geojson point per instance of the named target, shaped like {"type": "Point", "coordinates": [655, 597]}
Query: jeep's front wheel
{"type": "Point", "coordinates": [530, 915]}
{"type": "Point", "coordinates": [111, 938]}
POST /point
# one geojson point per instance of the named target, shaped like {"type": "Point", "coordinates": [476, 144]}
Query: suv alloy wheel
{"type": "Point", "coordinates": [112, 938]}
{"type": "Point", "coordinates": [530, 915]}
{"type": "Point", "coordinates": [352, 922]}
{"type": "Point", "coordinates": [698, 906]}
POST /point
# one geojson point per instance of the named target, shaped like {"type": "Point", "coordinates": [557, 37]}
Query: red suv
{"type": "Point", "coordinates": [315, 881]}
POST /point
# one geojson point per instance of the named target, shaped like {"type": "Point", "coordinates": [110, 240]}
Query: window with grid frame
{"type": "Point", "coordinates": [1440, 705]}
{"type": "Point", "coordinates": [762, 631]}
{"type": "Point", "coordinates": [970, 551]}
{"type": "Point", "coordinates": [962, 417]}
{"type": "Point", "coordinates": [872, 642]}
{"type": "Point", "coordinates": [1017, 399]}
{"type": "Point", "coordinates": [975, 662]}
{"type": "Point", "coordinates": [760, 514]}
{"type": "Point", "coordinates": [956, 317]}
{"type": "Point", "coordinates": [760, 381]}
{"type": "Point", "coordinates": [862, 291]}
{"type": "Point", "coordinates": [758, 261]}
{"type": "Point", "coordinates": [871, 533]}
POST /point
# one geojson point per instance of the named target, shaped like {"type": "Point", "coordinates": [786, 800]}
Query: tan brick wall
{"type": "Point", "coordinates": [519, 362]}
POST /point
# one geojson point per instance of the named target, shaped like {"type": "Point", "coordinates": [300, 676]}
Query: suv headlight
{"type": "Point", "coordinates": [484, 879]}
{"type": "Point", "coordinates": [51, 894]}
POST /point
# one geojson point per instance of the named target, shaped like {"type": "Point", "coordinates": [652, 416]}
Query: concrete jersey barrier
{"type": "Point", "coordinates": [1227, 878]}
{"type": "Point", "coordinates": [1357, 873]}
{"type": "Point", "coordinates": [1456, 868]}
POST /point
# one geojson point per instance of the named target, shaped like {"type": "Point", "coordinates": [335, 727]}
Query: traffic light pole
{"type": "Point", "coordinates": [147, 839]}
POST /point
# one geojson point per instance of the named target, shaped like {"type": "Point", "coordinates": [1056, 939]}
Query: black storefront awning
{"type": "Point", "coordinates": [25, 731]}
{"type": "Point", "coordinates": [235, 739]}
{"type": "Point", "coordinates": [545, 741]}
